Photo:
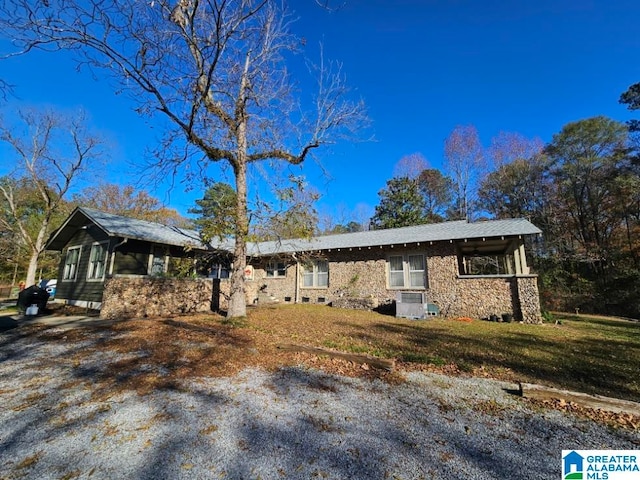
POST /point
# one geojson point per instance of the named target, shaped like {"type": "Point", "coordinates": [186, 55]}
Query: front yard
{"type": "Point", "coordinates": [587, 354]}
{"type": "Point", "coordinates": [195, 397]}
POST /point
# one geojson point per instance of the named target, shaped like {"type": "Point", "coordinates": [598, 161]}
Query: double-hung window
{"type": "Point", "coordinates": [97, 261]}
{"type": "Point", "coordinates": [71, 263]}
{"type": "Point", "coordinates": [407, 271]}
{"type": "Point", "coordinates": [276, 269]}
{"type": "Point", "coordinates": [315, 274]}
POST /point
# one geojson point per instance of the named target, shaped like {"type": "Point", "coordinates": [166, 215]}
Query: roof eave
{"type": "Point", "coordinates": [56, 243]}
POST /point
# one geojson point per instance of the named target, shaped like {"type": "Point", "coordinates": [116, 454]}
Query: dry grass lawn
{"type": "Point", "coordinates": [593, 355]}
{"type": "Point", "coordinates": [587, 354]}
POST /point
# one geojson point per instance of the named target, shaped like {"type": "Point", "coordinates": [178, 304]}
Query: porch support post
{"type": "Point", "coordinates": [297, 281]}
{"type": "Point", "coordinates": [523, 260]}
{"type": "Point", "coordinates": [517, 260]}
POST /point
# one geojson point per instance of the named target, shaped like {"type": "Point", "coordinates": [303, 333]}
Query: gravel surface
{"type": "Point", "coordinates": [55, 423]}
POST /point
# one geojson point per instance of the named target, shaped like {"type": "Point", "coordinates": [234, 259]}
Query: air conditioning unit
{"type": "Point", "coordinates": [411, 305]}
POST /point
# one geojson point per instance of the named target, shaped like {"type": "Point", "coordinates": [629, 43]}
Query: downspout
{"type": "Point", "coordinates": [297, 280]}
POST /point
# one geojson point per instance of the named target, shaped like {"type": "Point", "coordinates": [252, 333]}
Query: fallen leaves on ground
{"type": "Point", "coordinates": [160, 353]}
{"type": "Point", "coordinates": [613, 419]}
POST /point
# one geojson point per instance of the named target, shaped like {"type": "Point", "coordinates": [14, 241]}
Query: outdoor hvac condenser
{"type": "Point", "coordinates": [411, 305]}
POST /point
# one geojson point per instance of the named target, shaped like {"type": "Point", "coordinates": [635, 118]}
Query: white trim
{"type": "Point", "coordinates": [84, 304]}
{"type": "Point", "coordinates": [501, 275]}
{"type": "Point", "coordinates": [314, 274]}
{"type": "Point", "coordinates": [105, 244]}
{"type": "Point", "coordinates": [162, 250]}
{"type": "Point", "coordinates": [406, 271]}
{"type": "Point", "coordinates": [150, 259]}
{"type": "Point", "coordinates": [275, 270]}
{"type": "Point", "coordinates": [130, 275]}
{"type": "Point", "coordinates": [77, 264]}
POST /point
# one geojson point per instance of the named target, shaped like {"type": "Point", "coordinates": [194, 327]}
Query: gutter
{"type": "Point", "coordinates": [297, 280]}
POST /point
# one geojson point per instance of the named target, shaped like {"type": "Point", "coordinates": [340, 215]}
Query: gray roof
{"type": "Point", "coordinates": [119, 226]}
{"type": "Point", "coordinates": [457, 230]}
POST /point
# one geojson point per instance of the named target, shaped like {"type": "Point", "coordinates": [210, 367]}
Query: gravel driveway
{"type": "Point", "coordinates": [55, 423]}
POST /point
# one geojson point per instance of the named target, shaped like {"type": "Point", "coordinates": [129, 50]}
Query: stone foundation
{"type": "Point", "coordinates": [126, 297]}
{"type": "Point", "coordinates": [529, 298]}
{"type": "Point", "coordinates": [355, 303]}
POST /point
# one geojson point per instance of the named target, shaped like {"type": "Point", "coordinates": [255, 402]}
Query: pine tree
{"type": "Point", "coordinates": [401, 205]}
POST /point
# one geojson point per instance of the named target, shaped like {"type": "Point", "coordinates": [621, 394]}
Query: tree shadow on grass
{"type": "Point", "coordinates": [591, 365]}
{"type": "Point", "coordinates": [77, 396]}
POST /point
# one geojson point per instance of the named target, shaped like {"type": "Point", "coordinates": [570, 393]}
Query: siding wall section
{"type": "Point", "coordinates": [81, 290]}
{"type": "Point", "coordinates": [132, 258]}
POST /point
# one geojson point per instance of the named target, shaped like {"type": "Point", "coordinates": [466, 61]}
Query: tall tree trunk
{"type": "Point", "coordinates": [36, 250]}
{"type": "Point", "coordinates": [33, 268]}
{"type": "Point", "coordinates": [238, 300]}
{"type": "Point", "coordinates": [238, 297]}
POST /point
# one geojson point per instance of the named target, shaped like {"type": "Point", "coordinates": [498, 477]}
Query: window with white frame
{"type": "Point", "coordinates": [220, 270]}
{"type": "Point", "coordinates": [97, 261]}
{"type": "Point", "coordinates": [315, 274]}
{"type": "Point", "coordinates": [71, 263]}
{"type": "Point", "coordinates": [276, 269]}
{"type": "Point", "coordinates": [407, 271]}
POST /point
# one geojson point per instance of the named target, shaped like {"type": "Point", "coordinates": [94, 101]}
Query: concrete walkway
{"type": "Point", "coordinates": [13, 320]}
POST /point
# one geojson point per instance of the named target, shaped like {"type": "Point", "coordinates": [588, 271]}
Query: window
{"type": "Point", "coordinates": [396, 271]}
{"type": "Point", "coordinates": [315, 274]}
{"type": "Point", "coordinates": [407, 271]}
{"type": "Point", "coordinates": [276, 269]}
{"type": "Point", "coordinates": [491, 258]}
{"type": "Point", "coordinates": [416, 271]}
{"type": "Point", "coordinates": [97, 261]}
{"type": "Point", "coordinates": [71, 263]}
{"type": "Point", "coordinates": [487, 265]}
{"type": "Point", "coordinates": [219, 270]}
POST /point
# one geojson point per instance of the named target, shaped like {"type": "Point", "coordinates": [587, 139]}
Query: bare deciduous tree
{"type": "Point", "coordinates": [411, 166]}
{"type": "Point", "coordinates": [507, 147]}
{"type": "Point", "coordinates": [51, 152]}
{"type": "Point", "coordinates": [128, 201]}
{"type": "Point", "coordinates": [465, 164]}
{"type": "Point", "coordinates": [217, 70]}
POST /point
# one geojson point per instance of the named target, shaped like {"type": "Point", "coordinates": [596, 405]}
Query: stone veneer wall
{"type": "Point", "coordinates": [131, 297]}
{"type": "Point", "coordinates": [360, 276]}
{"type": "Point", "coordinates": [279, 287]}
{"type": "Point", "coordinates": [529, 297]}
{"type": "Point", "coordinates": [356, 276]}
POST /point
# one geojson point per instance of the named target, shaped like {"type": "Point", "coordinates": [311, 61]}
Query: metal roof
{"type": "Point", "coordinates": [457, 230]}
{"type": "Point", "coordinates": [119, 226]}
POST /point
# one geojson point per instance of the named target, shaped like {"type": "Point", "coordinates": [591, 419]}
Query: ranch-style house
{"type": "Point", "coordinates": [127, 267]}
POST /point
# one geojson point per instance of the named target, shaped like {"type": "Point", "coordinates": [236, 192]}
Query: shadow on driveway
{"type": "Point", "coordinates": [7, 322]}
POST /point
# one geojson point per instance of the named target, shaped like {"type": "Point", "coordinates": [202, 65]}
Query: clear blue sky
{"type": "Point", "coordinates": [422, 67]}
